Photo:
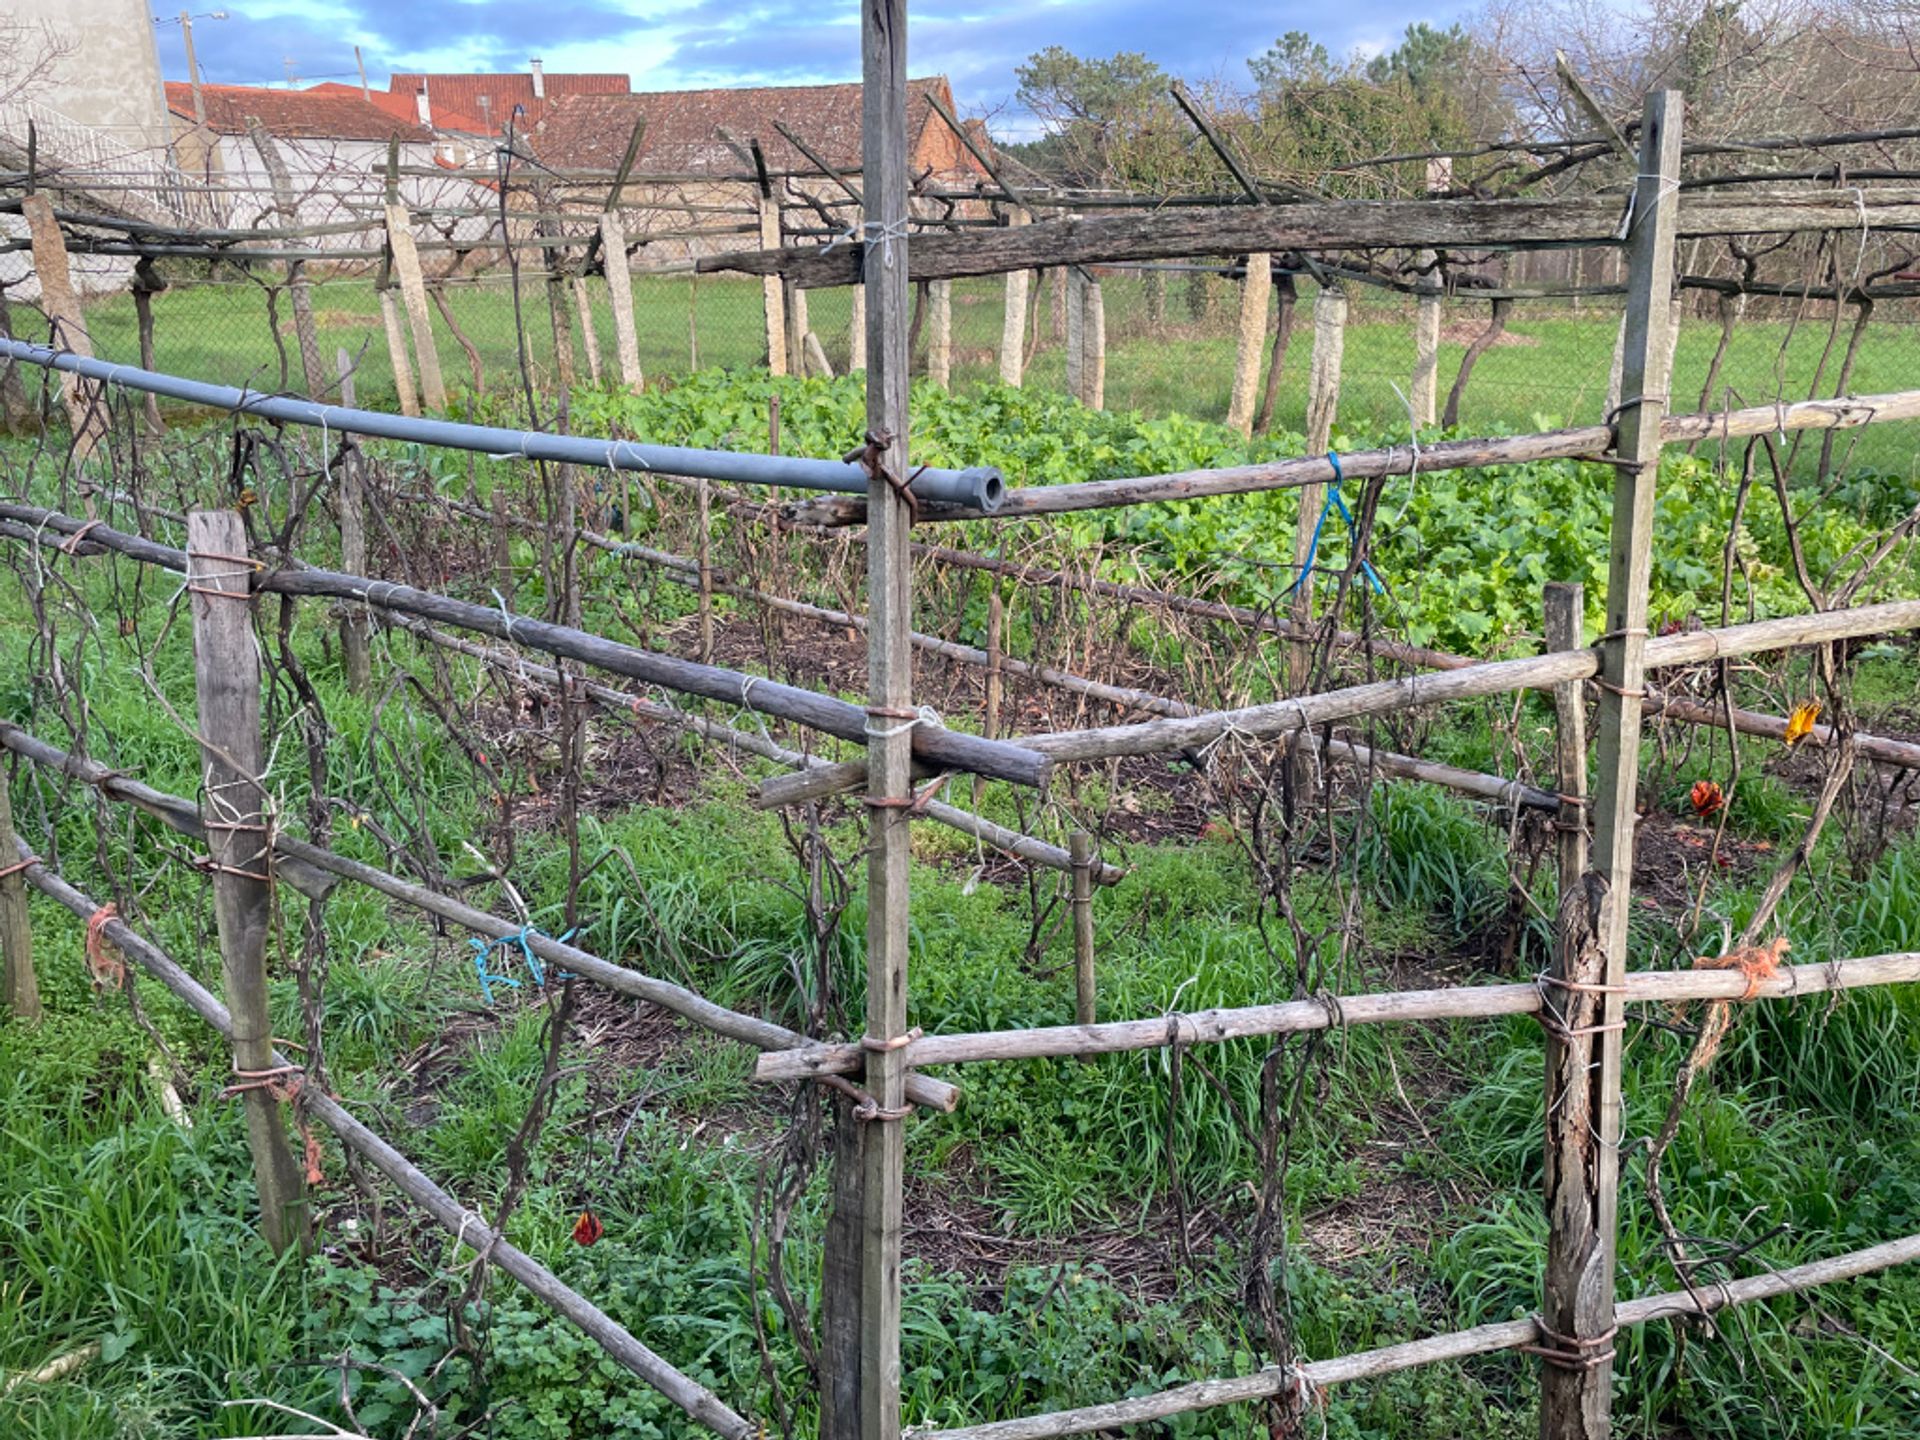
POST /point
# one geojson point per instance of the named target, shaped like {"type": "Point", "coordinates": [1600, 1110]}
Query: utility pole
{"type": "Point", "coordinates": [193, 73]}
{"type": "Point", "coordinates": [360, 61]}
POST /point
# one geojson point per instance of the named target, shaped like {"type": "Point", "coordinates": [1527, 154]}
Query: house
{"type": "Point", "coordinates": [695, 133]}
{"type": "Point", "coordinates": [334, 143]}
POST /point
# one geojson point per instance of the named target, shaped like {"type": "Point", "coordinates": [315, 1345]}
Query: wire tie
{"type": "Point", "coordinates": [19, 865]}
{"type": "Point", "coordinates": [874, 1045]}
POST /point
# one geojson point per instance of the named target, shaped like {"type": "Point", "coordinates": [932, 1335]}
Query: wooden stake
{"type": "Point", "coordinates": [704, 504]}
{"type": "Point", "coordinates": [1623, 669]}
{"type": "Point", "coordinates": [1425, 394]}
{"type": "Point", "coordinates": [21, 993]}
{"type": "Point", "coordinates": [85, 400]}
{"type": "Point", "coordinates": [626, 339]}
{"type": "Point", "coordinates": [771, 296]}
{"type": "Point", "coordinates": [146, 284]}
{"type": "Point", "coordinates": [1076, 292]}
{"type": "Point", "coordinates": [1013, 324]}
{"type": "Point", "coordinates": [940, 333]}
{"type": "Point", "coordinates": [799, 326]}
{"type": "Point", "coordinates": [1094, 366]}
{"type": "Point", "coordinates": [1080, 846]}
{"type": "Point", "coordinates": [890, 692]}
{"type": "Point", "coordinates": [226, 666]}
{"type": "Point", "coordinates": [18, 415]}
{"type": "Point", "coordinates": [351, 505]}
{"type": "Point", "coordinates": [857, 331]}
{"type": "Point", "coordinates": [305, 332]}
{"type": "Point", "coordinates": [397, 354]}
{"type": "Point", "coordinates": [1323, 380]}
{"type": "Point", "coordinates": [589, 341]}
{"type": "Point", "coordinates": [413, 291]}
{"type": "Point", "coordinates": [1572, 1301]}
{"type": "Point", "coordinates": [1256, 292]}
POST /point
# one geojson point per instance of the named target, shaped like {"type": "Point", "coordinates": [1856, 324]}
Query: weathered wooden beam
{"type": "Point", "coordinates": [1337, 225]}
{"type": "Point", "coordinates": [226, 669]}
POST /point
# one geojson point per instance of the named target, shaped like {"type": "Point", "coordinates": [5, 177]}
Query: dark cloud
{"type": "Point", "coordinates": [976, 43]}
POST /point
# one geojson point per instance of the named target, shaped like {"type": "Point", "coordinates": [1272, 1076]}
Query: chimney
{"type": "Point", "coordinates": [424, 109]}
{"type": "Point", "coordinates": [486, 113]}
{"type": "Point", "coordinates": [539, 78]}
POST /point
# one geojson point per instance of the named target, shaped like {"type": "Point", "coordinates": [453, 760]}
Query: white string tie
{"type": "Point", "coordinates": [923, 715]}
{"type": "Point", "coordinates": [1668, 184]}
{"type": "Point", "coordinates": [884, 231]}
{"type": "Point", "coordinates": [506, 615]}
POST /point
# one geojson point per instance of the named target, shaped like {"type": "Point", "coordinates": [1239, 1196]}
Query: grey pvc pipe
{"type": "Point", "coordinates": [979, 488]}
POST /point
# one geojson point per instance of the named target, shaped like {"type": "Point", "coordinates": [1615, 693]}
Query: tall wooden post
{"type": "Point", "coordinates": [589, 341]}
{"type": "Point", "coordinates": [86, 400]}
{"type": "Point", "coordinates": [704, 498]}
{"type": "Point", "coordinates": [1575, 1406]}
{"type": "Point", "coordinates": [397, 354]}
{"type": "Point", "coordinates": [626, 338]}
{"type": "Point", "coordinates": [147, 283]}
{"type": "Point", "coordinates": [226, 667]}
{"type": "Point", "coordinates": [1094, 335]}
{"type": "Point", "coordinates": [1076, 292]}
{"type": "Point", "coordinates": [1424, 396]}
{"type": "Point", "coordinates": [1080, 850]}
{"type": "Point", "coordinates": [770, 293]}
{"type": "Point", "coordinates": [890, 696]}
{"type": "Point", "coordinates": [857, 331]}
{"type": "Point", "coordinates": [350, 502]}
{"type": "Point", "coordinates": [799, 326]}
{"type": "Point", "coordinates": [1013, 324]}
{"type": "Point", "coordinates": [1323, 402]}
{"type": "Point", "coordinates": [306, 334]}
{"type": "Point", "coordinates": [1256, 293]}
{"type": "Point", "coordinates": [940, 333]}
{"type": "Point", "coordinates": [413, 291]}
{"type": "Point", "coordinates": [21, 994]}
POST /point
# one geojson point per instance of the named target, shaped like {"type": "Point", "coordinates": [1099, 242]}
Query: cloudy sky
{"type": "Point", "coordinates": [679, 44]}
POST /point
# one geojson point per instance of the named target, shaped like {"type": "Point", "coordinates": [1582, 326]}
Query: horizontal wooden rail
{"type": "Point", "coordinates": [1706, 1299]}
{"type": "Point", "coordinates": [182, 815]}
{"type": "Point", "coordinates": [1335, 225]}
{"type": "Point", "coordinates": [1578, 442]}
{"type": "Point", "coordinates": [1460, 1002]}
{"type": "Point", "coordinates": [978, 827]}
{"type": "Point", "coordinates": [468, 1227]}
{"type": "Point", "coordinates": [949, 749]}
{"type": "Point", "coordinates": [1493, 677]}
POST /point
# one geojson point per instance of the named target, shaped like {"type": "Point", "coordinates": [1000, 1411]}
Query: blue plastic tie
{"type": "Point", "coordinates": [1333, 502]}
{"type": "Point", "coordinates": [483, 948]}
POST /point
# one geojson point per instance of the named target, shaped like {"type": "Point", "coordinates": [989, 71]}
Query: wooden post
{"type": "Point", "coordinates": [1323, 379]}
{"type": "Point", "coordinates": [226, 665]}
{"type": "Point", "coordinates": [1013, 324]}
{"type": "Point", "coordinates": [1256, 293]}
{"type": "Point", "coordinates": [1277, 360]}
{"type": "Point", "coordinates": [1576, 1405]}
{"type": "Point", "coordinates": [626, 338]}
{"type": "Point", "coordinates": [770, 292]}
{"type": "Point", "coordinates": [413, 291]}
{"type": "Point", "coordinates": [890, 694]}
{"type": "Point", "coordinates": [18, 415]}
{"type": "Point", "coordinates": [306, 334]}
{"type": "Point", "coordinates": [1075, 287]}
{"type": "Point", "coordinates": [704, 498]}
{"type": "Point", "coordinates": [1573, 1005]}
{"type": "Point", "coordinates": [21, 993]}
{"type": "Point", "coordinates": [1424, 396]}
{"type": "Point", "coordinates": [147, 283]}
{"type": "Point", "coordinates": [996, 624]}
{"type": "Point", "coordinates": [557, 318]}
{"type": "Point", "coordinates": [86, 401]}
{"type": "Point", "coordinates": [940, 333]}
{"type": "Point", "coordinates": [1080, 847]}
{"type": "Point", "coordinates": [590, 342]}
{"type": "Point", "coordinates": [840, 1335]}
{"type": "Point", "coordinates": [1057, 306]}
{"type": "Point", "coordinates": [397, 354]}
{"type": "Point", "coordinates": [1323, 399]}
{"type": "Point", "coordinates": [1094, 334]}
{"type": "Point", "coordinates": [799, 326]}
{"type": "Point", "coordinates": [857, 331]}
{"type": "Point", "coordinates": [351, 504]}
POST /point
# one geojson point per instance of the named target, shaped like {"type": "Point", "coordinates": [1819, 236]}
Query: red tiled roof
{"type": "Point", "coordinates": [304, 114]}
{"type": "Point", "coordinates": [589, 132]}
{"type": "Point", "coordinates": [405, 107]}
{"type": "Point", "coordinates": [462, 94]}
